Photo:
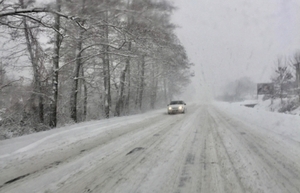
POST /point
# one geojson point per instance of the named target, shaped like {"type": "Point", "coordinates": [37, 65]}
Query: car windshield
{"type": "Point", "coordinates": [176, 102]}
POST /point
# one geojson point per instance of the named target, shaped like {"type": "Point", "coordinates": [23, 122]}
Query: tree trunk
{"type": "Point", "coordinates": [106, 72]}
{"type": "Point", "coordinates": [85, 101]}
{"type": "Point", "coordinates": [142, 80]}
{"type": "Point", "coordinates": [107, 97]}
{"type": "Point", "coordinates": [78, 66]}
{"type": "Point", "coordinates": [137, 91]}
{"type": "Point", "coordinates": [54, 102]}
{"type": "Point", "coordinates": [37, 89]}
{"type": "Point", "coordinates": [165, 91]}
{"type": "Point", "coordinates": [127, 100]}
{"type": "Point", "coordinates": [153, 87]}
{"type": "Point", "coordinates": [120, 101]}
{"type": "Point", "coordinates": [126, 106]}
{"type": "Point", "coordinates": [41, 108]}
{"type": "Point", "coordinates": [74, 92]}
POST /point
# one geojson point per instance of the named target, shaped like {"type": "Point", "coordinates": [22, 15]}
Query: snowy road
{"type": "Point", "coordinates": [205, 150]}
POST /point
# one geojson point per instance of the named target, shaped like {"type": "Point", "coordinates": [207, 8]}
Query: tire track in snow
{"type": "Point", "coordinates": [73, 151]}
{"type": "Point", "coordinates": [140, 173]}
{"type": "Point", "coordinates": [204, 150]}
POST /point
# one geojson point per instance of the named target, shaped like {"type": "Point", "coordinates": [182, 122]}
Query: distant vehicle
{"type": "Point", "coordinates": [176, 107]}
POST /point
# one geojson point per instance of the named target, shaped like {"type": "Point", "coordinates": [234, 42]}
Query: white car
{"type": "Point", "coordinates": [176, 107]}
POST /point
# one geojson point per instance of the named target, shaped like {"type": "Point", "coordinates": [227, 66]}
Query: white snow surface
{"type": "Point", "coordinates": [156, 152]}
{"type": "Point", "coordinates": [280, 123]}
{"type": "Point", "coordinates": [56, 138]}
{"type": "Point", "coordinates": [275, 105]}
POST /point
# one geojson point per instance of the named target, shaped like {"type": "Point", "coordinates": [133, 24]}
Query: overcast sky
{"type": "Point", "coordinates": [234, 38]}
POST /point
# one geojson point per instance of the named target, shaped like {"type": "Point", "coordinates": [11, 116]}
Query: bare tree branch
{"type": "Point", "coordinates": [9, 84]}
{"type": "Point", "coordinates": [20, 11]}
{"type": "Point", "coordinates": [40, 21]}
{"type": "Point", "coordinates": [39, 10]}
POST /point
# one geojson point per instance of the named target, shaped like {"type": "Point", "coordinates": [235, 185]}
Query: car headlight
{"type": "Point", "coordinates": [170, 108]}
{"type": "Point", "coordinates": [180, 107]}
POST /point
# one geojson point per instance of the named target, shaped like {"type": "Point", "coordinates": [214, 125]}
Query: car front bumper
{"type": "Point", "coordinates": [175, 111]}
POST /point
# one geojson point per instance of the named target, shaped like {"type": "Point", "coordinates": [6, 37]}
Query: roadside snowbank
{"type": "Point", "coordinates": [287, 105]}
{"type": "Point", "coordinates": [284, 124]}
{"type": "Point", "coordinates": [58, 137]}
